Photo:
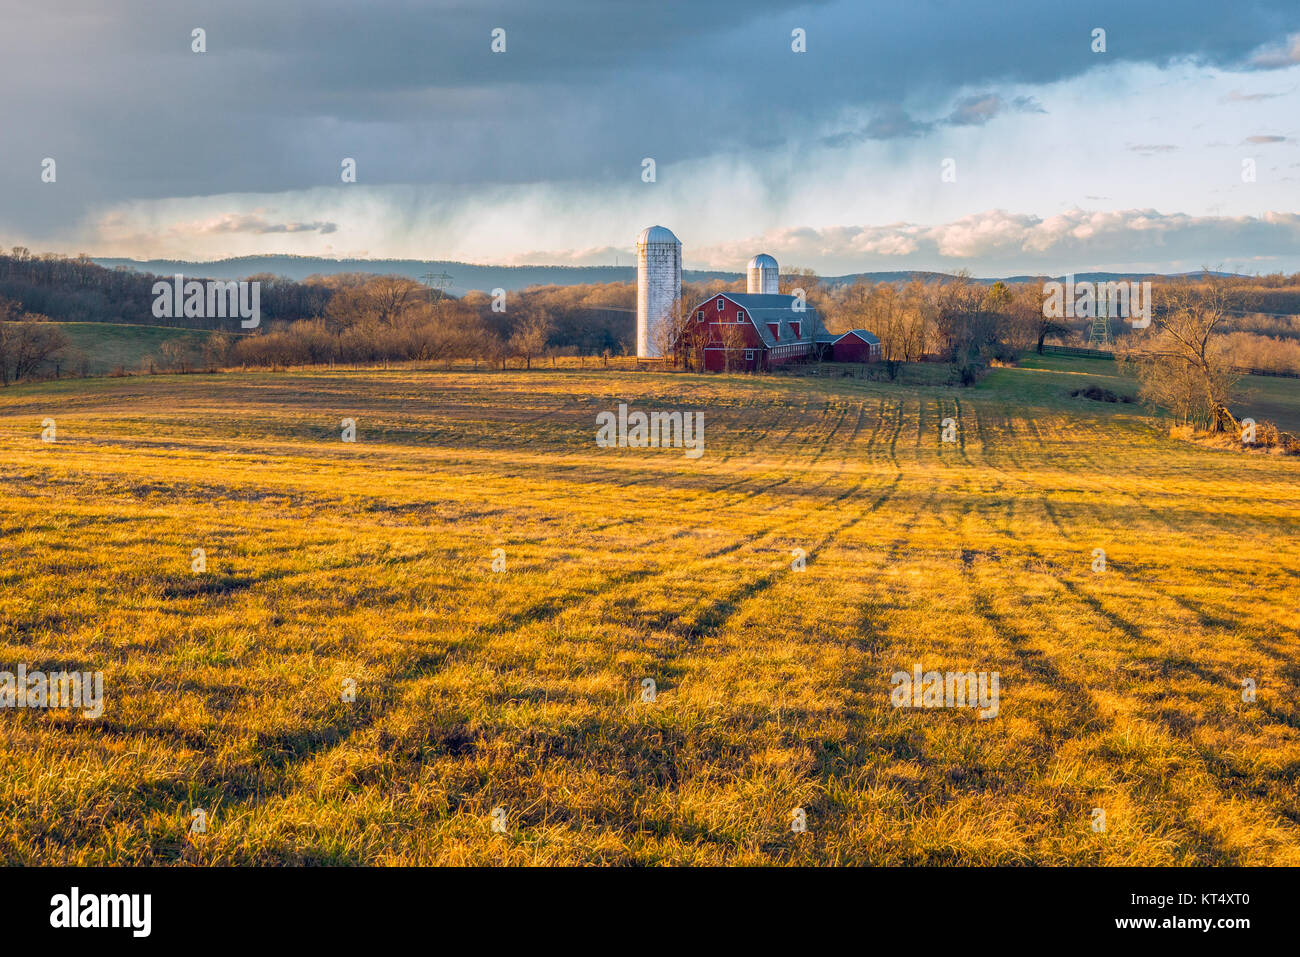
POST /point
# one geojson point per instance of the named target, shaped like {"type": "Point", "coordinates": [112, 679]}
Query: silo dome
{"type": "Point", "coordinates": [763, 275]}
{"type": "Point", "coordinates": [658, 234]}
{"type": "Point", "coordinates": [658, 288]}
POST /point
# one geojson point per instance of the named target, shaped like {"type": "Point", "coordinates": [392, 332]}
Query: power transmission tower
{"type": "Point", "coordinates": [438, 282]}
{"type": "Point", "coordinates": [1099, 336]}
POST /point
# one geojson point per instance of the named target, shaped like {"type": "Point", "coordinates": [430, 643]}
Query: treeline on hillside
{"type": "Point", "coordinates": [589, 319]}
{"type": "Point", "coordinates": [362, 317]}
{"type": "Point", "coordinates": [970, 324]}
{"type": "Point", "coordinates": [391, 318]}
{"type": "Point", "coordinates": [74, 289]}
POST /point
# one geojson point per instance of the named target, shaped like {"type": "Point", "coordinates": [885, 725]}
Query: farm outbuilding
{"type": "Point", "coordinates": [856, 345]}
{"type": "Point", "coordinates": [751, 331]}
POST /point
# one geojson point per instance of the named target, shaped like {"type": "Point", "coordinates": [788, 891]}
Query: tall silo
{"type": "Point", "coordinates": [658, 287]}
{"type": "Point", "coordinates": [763, 275]}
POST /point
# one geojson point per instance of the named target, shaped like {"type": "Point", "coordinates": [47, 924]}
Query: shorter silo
{"type": "Point", "coordinates": [763, 276]}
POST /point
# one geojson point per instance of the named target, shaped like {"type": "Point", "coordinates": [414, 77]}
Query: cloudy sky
{"type": "Point", "coordinates": [1061, 158]}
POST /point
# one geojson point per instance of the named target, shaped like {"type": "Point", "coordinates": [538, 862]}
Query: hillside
{"type": "Point", "coordinates": [103, 348]}
{"type": "Point", "coordinates": [469, 276]}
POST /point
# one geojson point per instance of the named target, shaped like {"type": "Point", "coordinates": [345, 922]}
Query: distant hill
{"type": "Point", "coordinates": [465, 276]}
{"type": "Point", "coordinates": [1114, 276]}
{"type": "Point", "coordinates": [468, 276]}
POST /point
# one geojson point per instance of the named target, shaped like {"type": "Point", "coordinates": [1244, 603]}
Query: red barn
{"type": "Point", "coordinates": [856, 345]}
{"type": "Point", "coordinates": [754, 331]}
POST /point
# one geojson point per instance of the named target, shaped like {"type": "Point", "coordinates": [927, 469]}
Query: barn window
{"type": "Point", "coordinates": [700, 317]}
{"type": "Point", "coordinates": [740, 315]}
{"type": "Point", "coordinates": [749, 354]}
{"type": "Point", "coordinates": [720, 302]}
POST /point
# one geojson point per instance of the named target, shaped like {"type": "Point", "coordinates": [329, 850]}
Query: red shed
{"type": "Point", "coordinates": [856, 345]}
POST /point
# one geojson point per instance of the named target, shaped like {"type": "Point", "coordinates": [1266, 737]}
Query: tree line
{"type": "Point", "coordinates": [75, 289]}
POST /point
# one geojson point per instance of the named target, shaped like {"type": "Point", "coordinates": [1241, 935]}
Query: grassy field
{"type": "Point", "coordinates": [521, 690]}
{"type": "Point", "coordinates": [1274, 399]}
{"type": "Point", "coordinates": [107, 347]}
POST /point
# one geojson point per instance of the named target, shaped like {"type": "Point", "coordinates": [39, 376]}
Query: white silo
{"type": "Point", "coordinates": [658, 287]}
{"type": "Point", "coordinates": [763, 275]}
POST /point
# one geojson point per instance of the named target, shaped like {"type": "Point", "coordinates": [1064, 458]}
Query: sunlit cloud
{"type": "Point", "coordinates": [1276, 56]}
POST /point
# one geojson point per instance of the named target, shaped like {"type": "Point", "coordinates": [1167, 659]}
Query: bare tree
{"type": "Point", "coordinates": [495, 347]}
{"type": "Point", "coordinates": [676, 337]}
{"type": "Point", "coordinates": [26, 343]}
{"type": "Point", "coordinates": [215, 348]}
{"type": "Point", "coordinates": [391, 296]}
{"type": "Point", "coordinates": [531, 333]}
{"type": "Point", "coordinates": [178, 354]}
{"type": "Point", "coordinates": [1181, 362]}
{"type": "Point", "coordinates": [376, 300]}
{"type": "Point", "coordinates": [964, 324]}
{"type": "Point", "coordinates": [733, 342]}
{"type": "Point", "coordinates": [1029, 317]}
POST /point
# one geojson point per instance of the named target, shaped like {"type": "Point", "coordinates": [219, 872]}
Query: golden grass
{"type": "Point", "coordinates": [521, 690]}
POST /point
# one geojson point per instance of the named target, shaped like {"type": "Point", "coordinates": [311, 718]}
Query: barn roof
{"type": "Point", "coordinates": [763, 308]}
{"type": "Point", "coordinates": [867, 337]}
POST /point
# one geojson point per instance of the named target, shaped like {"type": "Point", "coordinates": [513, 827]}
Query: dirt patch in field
{"type": "Point", "coordinates": [1098, 394]}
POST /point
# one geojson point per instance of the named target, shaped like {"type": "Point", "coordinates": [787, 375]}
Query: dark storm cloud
{"type": "Point", "coordinates": [978, 110]}
{"type": "Point", "coordinates": [895, 123]}
{"type": "Point", "coordinates": [585, 90]}
{"type": "Point", "coordinates": [892, 123]}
